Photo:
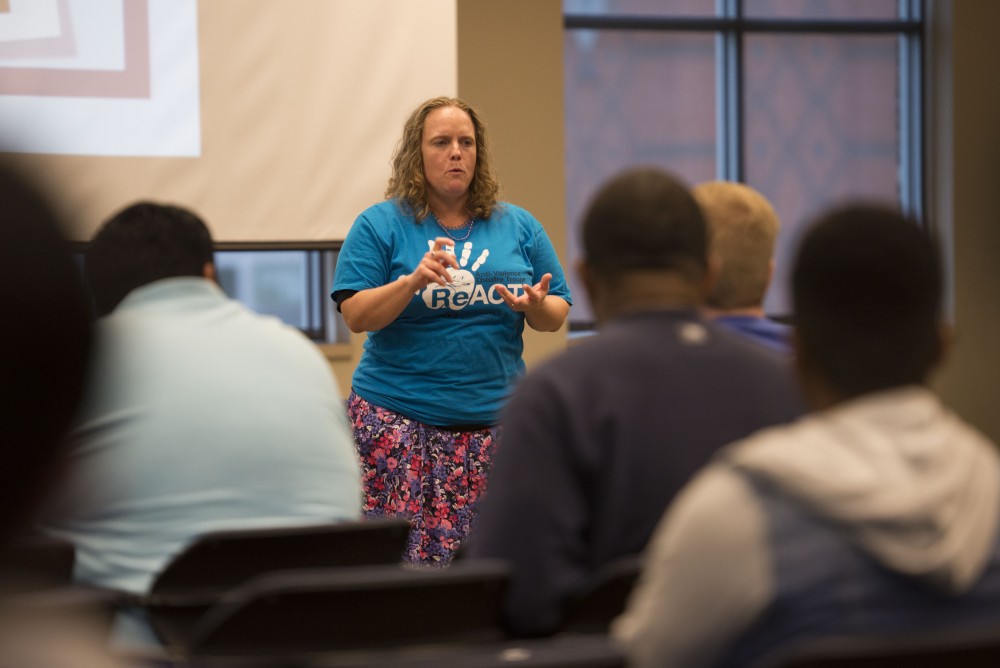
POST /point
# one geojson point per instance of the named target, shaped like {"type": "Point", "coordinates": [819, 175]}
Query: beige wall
{"type": "Point", "coordinates": [965, 191]}
{"type": "Point", "coordinates": [510, 69]}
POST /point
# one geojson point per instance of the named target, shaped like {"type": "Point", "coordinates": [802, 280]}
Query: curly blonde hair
{"type": "Point", "coordinates": [407, 181]}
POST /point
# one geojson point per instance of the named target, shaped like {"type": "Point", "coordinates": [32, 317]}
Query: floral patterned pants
{"type": "Point", "coordinates": [433, 476]}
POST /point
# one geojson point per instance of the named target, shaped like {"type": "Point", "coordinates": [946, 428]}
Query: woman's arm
{"type": "Point", "coordinates": [372, 309]}
{"type": "Point", "coordinates": [549, 316]}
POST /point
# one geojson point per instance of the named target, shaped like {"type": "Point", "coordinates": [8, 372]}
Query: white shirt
{"type": "Point", "coordinates": [201, 415]}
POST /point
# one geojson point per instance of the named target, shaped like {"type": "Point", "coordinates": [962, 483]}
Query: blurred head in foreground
{"type": "Point", "coordinates": [867, 289]}
{"type": "Point", "coordinates": [45, 343]}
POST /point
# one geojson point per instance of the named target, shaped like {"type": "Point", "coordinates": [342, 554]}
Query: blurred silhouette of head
{"type": "Point", "coordinates": [644, 243]}
{"type": "Point", "coordinates": [644, 218]}
{"type": "Point", "coordinates": [867, 288]}
{"type": "Point", "coordinates": [143, 243]}
{"type": "Point", "coordinates": [45, 344]}
{"type": "Point", "coordinates": [742, 230]}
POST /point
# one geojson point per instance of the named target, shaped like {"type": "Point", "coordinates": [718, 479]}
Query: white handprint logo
{"type": "Point", "coordinates": [458, 292]}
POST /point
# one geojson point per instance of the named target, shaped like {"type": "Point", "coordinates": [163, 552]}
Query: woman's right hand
{"type": "Point", "coordinates": [433, 267]}
{"type": "Point", "coordinates": [372, 309]}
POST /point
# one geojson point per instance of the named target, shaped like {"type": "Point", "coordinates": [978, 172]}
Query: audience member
{"type": "Point", "coordinates": [201, 416]}
{"type": "Point", "coordinates": [597, 440]}
{"type": "Point", "coordinates": [742, 230]}
{"type": "Point", "coordinates": [876, 513]}
{"type": "Point", "coordinates": [45, 345]}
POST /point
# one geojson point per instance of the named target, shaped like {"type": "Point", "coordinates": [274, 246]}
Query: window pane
{"type": "Point", "coordinates": [822, 124]}
{"type": "Point", "coordinates": [270, 282]}
{"type": "Point", "coordinates": [634, 98]}
{"type": "Point", "coordinates": [641, 7]}
{"type": "Point", "coordinates": [822, 9]}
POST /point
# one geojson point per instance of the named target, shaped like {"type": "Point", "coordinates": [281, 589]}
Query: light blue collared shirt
{"type": "Point", "coordinates": [201, 415]}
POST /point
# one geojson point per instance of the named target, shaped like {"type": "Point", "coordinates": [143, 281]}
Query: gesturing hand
{"type": "Point", "coordinates": [433, 267]}
{"type": "Point", "coordinates": [530, 299]}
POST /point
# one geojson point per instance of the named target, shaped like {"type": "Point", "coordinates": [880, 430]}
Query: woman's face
{"type": "Point", "coordinates": [448, 148]}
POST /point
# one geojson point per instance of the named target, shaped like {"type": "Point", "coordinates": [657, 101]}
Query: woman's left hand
{"type": "Point", "coordinates": [541, 312]}
{"type": "Point", "coordinates": [530, 299]}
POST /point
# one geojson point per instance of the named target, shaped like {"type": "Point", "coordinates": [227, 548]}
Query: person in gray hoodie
{"type": "Point", "coordinates": [877, 513]}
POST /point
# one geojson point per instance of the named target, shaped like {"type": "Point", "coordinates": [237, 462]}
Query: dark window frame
{"type": "Point", "coordinates": [731, 25]}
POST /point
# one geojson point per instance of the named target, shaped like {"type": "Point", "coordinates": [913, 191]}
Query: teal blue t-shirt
{"type": "Point", "coordinates": [453, 353]}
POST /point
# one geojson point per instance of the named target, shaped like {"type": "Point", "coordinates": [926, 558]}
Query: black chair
{"type": "Point", "coordinates": [604, 598]}
{"type": "Point", "coordinates": [960, 648]}
{"type": "Point", "coordinates": [219, 561]}
{"type": "Point", "coordinates": [33, 562]}
{"type": "Point", "coordinates": [299, 613]}
{"type": "Point", "coordinates": [592, 651]}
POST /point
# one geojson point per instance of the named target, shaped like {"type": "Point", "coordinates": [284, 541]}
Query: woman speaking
{"type": "Point", "coordinates": [443, 277]}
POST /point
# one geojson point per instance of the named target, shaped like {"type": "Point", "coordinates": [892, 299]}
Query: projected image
{"type": "Point", "coordinates": [99, 77]}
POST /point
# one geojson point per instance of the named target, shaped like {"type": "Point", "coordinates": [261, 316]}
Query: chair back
{"type": "Point", "coordinates": [604, 598]}
{"type": "Point", "coordinates": [304, 611]}
{"type": "Point", "coordinates": [220, 560]}
{"type": "Point", "coordinates": [591, 651]}
{"type": "Point", "coordinates": [217, 562]}
{"type": "Point", "coordinates": [956, 648]}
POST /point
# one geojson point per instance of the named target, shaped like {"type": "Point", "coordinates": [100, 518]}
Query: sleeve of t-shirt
{"type": "Point", "coordinates": [363, 261]}
{"type": "Point", "coordinates": [545, 261]}
{"type": "Point", "coordinates": [707, 576]}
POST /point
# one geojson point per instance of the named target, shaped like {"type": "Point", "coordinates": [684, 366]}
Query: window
{"type": "Point", "coordinates": [289, 281]}
{"type": "Point", "coordinates": [809, 101]}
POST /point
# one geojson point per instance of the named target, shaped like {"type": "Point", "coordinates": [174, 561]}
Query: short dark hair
{"type": "Point", "coordinates": [45, 344]}
{"type": "Point", "coordinates": [142, 243]}
{"type": "Point", "coordinates": [867, 288]}
{"type": "Point", "coordinates": [645, 218]}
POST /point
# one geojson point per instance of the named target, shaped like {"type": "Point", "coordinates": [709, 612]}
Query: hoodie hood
{"type": "Point", "coordinates": [903, 477]}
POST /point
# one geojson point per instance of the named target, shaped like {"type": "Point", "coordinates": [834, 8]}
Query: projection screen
{"type": "Point", "coordinates": [274, 119]}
